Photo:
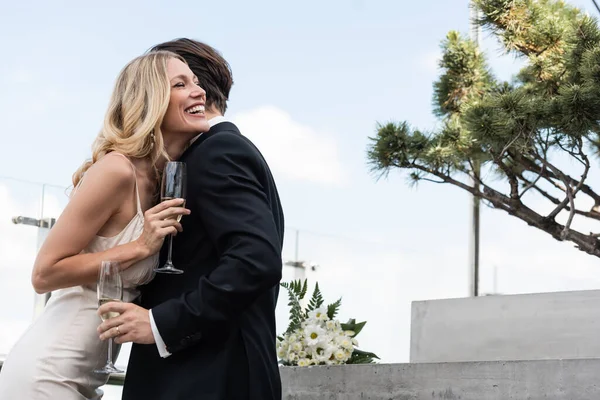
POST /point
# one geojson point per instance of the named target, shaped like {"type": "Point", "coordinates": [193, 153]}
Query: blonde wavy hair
{"type": "Point", "coordinates": [135, 114]}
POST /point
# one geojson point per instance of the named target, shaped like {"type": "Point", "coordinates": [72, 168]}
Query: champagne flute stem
{"type": "Point", "coordinates": [110, 347]}
{"type": "Point", "coordinates": [170, 249]}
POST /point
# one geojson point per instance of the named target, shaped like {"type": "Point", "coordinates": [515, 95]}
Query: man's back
{"type": "Point", "coordinates": [221, 329]}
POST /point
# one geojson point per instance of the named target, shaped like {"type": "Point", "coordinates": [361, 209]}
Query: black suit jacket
{"type": "Point", "coordinates": [218, 318]}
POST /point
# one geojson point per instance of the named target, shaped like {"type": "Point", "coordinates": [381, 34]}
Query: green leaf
{"type": "Point", "coordinates": [295, 292]}
{"type": "Point", "coordinates": [298, 287]}
{"type": "Point", "coordinates": [316, 300]}
{"type": "Point", "coordinates": [352, 325]}
{"type": "Point", "coordinates": [362, 357]}
{"type": "Point", "coordinates": [333, 308]}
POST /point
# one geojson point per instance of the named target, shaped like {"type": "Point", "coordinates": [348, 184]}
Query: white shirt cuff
{"type": "Point", "coordinates": [160, 344]}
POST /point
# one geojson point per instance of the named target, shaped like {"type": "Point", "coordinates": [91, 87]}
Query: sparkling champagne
{"type": "Point", "coordinates": [111, 314]}
{"type": "Point", "coordinates": [171, 198]}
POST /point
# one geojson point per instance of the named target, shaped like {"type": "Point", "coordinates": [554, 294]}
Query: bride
{"type": "Point", "coordinates": [112, 215]}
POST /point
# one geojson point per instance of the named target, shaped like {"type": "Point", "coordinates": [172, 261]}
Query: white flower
{"type": "Point", "coordinates": [282, 353]}
{"type": "Point", "coordinates": [282, 348]}
{"type": "Point", "coordinates": [349, 333]}
{"type": "Point", "coordinates": [312, 321]}
{"type": "Point", "coordinates": [297, 346]}
{"type": "Point", "coordinates": [322, 354]}
{"type": "Point", "coordinates": [319, 314]}
{"type": "Point", "coordinates": [333, 325]}
{"type": "Point", "coordinates": [302, 354]}
{"type": "Point", "coordinates": [303, 362]}
{"type": "Point", "coordinates": [340, 355]}
{"type": "Point", "coordinates": [345, 342]}
{"type": "Point", "coordinates": [314, 335]}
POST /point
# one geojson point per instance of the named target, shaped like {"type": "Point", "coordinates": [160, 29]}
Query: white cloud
{"type": "Point", "coordinates": [19, 76]}
{"type": "Point", "coordinates": [293, 151]}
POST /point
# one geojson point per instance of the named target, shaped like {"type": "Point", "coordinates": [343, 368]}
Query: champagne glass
{"type": "Point", "coordinates": [173, 186]}
{"type": "Point", "coordinates": [110, 288]}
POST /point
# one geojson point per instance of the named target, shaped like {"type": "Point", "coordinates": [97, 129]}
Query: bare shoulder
{"type": "Point", "coordinates": [113, 169]}
{"type": "Point", "coordinates": [112, 175]}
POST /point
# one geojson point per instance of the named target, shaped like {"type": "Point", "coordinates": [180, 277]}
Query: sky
{"type": "Point", "coordinates": [312, 80]}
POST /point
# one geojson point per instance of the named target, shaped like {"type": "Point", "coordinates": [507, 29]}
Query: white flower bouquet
{"type": "Point", "coordinates": [314, 336]}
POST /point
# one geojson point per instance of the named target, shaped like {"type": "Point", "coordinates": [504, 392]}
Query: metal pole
{"type": "Point", "coordinates": [42, 201]}
{"type": "Point", "coordinates": [297, 242]}
{"type": "Point", "coordinates": [474, 287]}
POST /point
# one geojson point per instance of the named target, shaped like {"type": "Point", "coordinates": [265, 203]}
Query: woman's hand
{"type": "Point", "coordinates": [160, 221]}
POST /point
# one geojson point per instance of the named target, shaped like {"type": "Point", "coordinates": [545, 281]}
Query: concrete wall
{"type": "Point", "coordinates": [531, 380]}
{"type": "Point", "coordinates": [564, 325]}
{"type": "Point", "coordinates": [495, 380]}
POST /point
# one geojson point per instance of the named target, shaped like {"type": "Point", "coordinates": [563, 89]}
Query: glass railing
{"type": "Point", "coordinates": [377, 275]}
{"type": "Point", "coordinates": [27, 212]}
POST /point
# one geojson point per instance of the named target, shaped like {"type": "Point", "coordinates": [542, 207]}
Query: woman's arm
{"type": "Point", "coordinates": [107, 185]}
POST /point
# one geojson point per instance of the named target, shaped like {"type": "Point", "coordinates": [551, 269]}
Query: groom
{"type": "Point", "coordinates": [210, 333]}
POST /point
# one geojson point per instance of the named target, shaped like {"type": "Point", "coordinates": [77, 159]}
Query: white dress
{"type": "Point", "coordinates": [55, 357]}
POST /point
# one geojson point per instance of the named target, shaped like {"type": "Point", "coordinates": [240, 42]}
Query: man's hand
{"type": "Point", "coordinates": [132, 325]}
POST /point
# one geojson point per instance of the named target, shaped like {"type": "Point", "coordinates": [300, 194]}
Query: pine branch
{"type": "Point", "coordinates": [512, 178]}
{"type": "Point", "coordinates": [571, 153]}
{"type": "Point", "coordinates": [554, 200]}
{"type": "Point", "coordinates": [533, 184]}
{"type": "Point", "coordinates": [585, 243]}
{"type": "Point", "coordinates": [596, 5]}
{"type": "Point", "coordinates": [550, 177]}
{"type": "Point", "coordinates": [571, 198]}
{"type": "Point", "coordinates": [431, 180]}
{"type": "Point", "coordinates": [571, 193]}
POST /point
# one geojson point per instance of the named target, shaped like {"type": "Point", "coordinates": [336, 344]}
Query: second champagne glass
{"type": "Point", "coordinates": [110, 288]}
{"type": "Point", "coordinates": [173, 186]}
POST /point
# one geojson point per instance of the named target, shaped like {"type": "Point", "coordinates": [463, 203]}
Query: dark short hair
{"type": "Point", "coordinates": [212, 70]}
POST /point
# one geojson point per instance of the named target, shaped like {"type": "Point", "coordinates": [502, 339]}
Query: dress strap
{"type": "Point", "coordinates": [137, 192]}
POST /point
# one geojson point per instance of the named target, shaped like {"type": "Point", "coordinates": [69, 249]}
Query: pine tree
{"type": "Point", "coordinates": [534, 135]}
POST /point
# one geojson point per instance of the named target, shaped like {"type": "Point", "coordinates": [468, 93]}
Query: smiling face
{"type": "Point", "coordinates": [185, 114]}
